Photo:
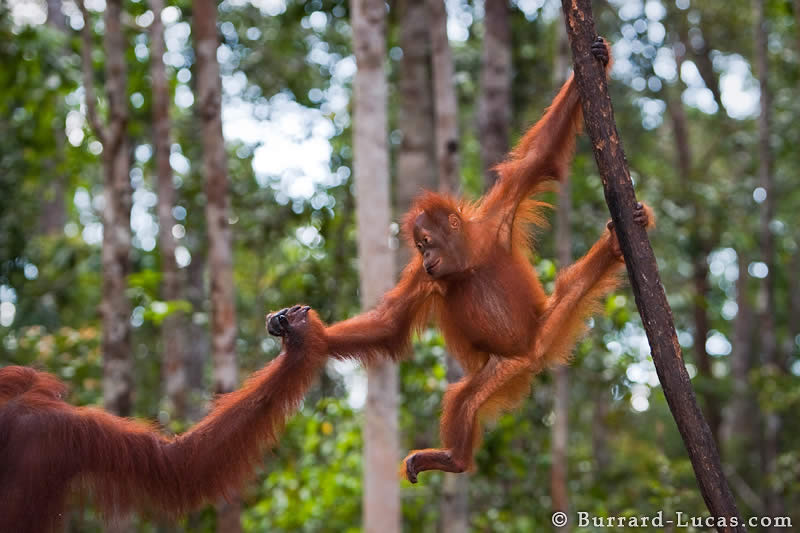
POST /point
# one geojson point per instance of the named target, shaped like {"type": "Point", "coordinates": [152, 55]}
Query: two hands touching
{"type": "Point", "coordinates": [301, 329]}
{"type": "Point", "coordinates": [288, 321]}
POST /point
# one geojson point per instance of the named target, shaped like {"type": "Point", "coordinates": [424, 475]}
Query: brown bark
{"type": "Point", "coordinates": [767, 334]}
{"type": "Point", "coordinates": [766, 180]}
{"type": "Point", "coordinates": [220, 256]}
{"type": "Point", "coordinates": [173, 329]}
{"type": "Point", "coordinates": [376, 261]}
{"type": "Point", "coordinates": [220, 243]}
{"type": "Point", "coordinates": [701, 329]}
{"type": "Point", "coordinates": [416, 165]}
{"type": "Point", "coordinates": [494, 104]}
{"type": "Point", "coordinates": [53, 213]}
{"type": "Point", "coordinates": [560, 430]}
{"type": "Point", "coordinates": [642, 269]}
{"type": "Point", "coordinates": [743, 412]}
{"type": "Point", "coordinates": [117, 363]}
{"type": "Point", "coordinates": [197, 345]}
{"type": "Point", "coordinates": [444, 98]}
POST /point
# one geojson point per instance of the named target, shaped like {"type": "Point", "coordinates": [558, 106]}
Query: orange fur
{"type": "Point", "coordinates": [49, 448]}
{"type": "Point", "coordinates": [494, 314]}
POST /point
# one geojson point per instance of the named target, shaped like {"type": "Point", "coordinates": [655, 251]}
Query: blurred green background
{"type": "Point", "coordinates": [287, 68]}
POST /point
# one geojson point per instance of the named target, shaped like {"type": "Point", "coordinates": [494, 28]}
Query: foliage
{"type": "Point", "coordinates": [625, 455]}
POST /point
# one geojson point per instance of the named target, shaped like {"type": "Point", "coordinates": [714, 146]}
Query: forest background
{"type": "Point", "coordinates": [224, 135]}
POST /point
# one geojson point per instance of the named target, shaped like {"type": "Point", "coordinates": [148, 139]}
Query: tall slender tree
{"type": "Point", "coordinates": [794, 302]}
{"type": "Point", "coordinates": [767, 332]}
{"type": "Point", "coordinates": [197, 345]}
{"type": "Point", "coordinates": [701, 231]}
{"type": "Point", "coordinates": [445, 102]}
{"type": "Point", "coordinates": [115, 309]}
{"type": "Point", "coordinates": [416, 163]}
{"type": "Point", "coordinates": [699, 249]}
{"type": "Point", "coordinates": [743, 415]}
{"type": "Point", "coordinates": [220, 245]}
{"type": "Point", "coordinates": [560, 429]}
{"type": "Point", "coordinates": [494, 100]}
{"type": "Point", "coordinates": [173, 328]}
{"type": "Point", "coordinates": [796, 9]}
{"type": "Point", "coordinates": [454, 505]}
{"type": "Point", "coordinates": [376, 259]}
{"type": "Point", "coordinates": [53, 212]}
{"type": "Point", "coordinates": [793, 341]}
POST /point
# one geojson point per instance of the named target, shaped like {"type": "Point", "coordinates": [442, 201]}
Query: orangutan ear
{"type": "Point", "coordinates": [455, 222]}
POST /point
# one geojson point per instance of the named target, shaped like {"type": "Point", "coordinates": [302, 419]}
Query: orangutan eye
{"type": "Point", "coordinates": [427, 240]}
{"type": "Point", "coordinates": [419, 246]}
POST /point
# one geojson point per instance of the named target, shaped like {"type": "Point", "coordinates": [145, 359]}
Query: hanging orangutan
{"type": "Point", "coordinates": [49, 448]}
{"type": "Point", "coordinates": [472, 273]}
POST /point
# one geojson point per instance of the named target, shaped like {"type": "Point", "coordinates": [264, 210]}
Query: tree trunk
{"type": "Point", "coordinates": [767, 333]}
{"type": "Point", "coordinates": [197, 348]}
{"type": "Point", "coordinates": [114, 307]}
{"type": "Point", "coordinates": [705, 66]}
{"type": "Point", "coordinates": [220, 244]}
{"type": "Point", "coordinates": [53, 213]}
{"type": "Point", "coordinates": [55, 17]}
{"type": "Point", "coordinates": [494, 100]}
{"type": "Point", "coordinates": [117, 193]}
{"type": "Point", "coordinates": [173, 329]}
{"type": "Point", "coordinates": [560, 430]}
{"type": "Point", "coordinates": [794, 304]}
{"type": "Point", "coordinates": [444, 98]}
{"type": "Point", "coordinates": [454, 503]}
{"type": "Point", "coordinates": [600, 430]}
{"type": "Point", "coordinates": [742, 432]}
{"type": "Point", "coordinates": [796, 6]}
{"type": "Point", "coordinates": [642, 269]}
{"type": "Point", "coordinates": [416, 166]}
{"type": "Point", "coordinates": [559, 492]}
{"type": "Point", "coordinates": [117, 376]}
{"type": "Point", "coordinates": [699, 249]}
{"type": "Point", "coordinates": [376, 261]}
{"type": "Point", "coordinates": [197, 341]}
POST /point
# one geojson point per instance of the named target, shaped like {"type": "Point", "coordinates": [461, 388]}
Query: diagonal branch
{"type": "Point", "coordinates": [88, 77]}
{"type": "Point", "coordinates": [643, 271]}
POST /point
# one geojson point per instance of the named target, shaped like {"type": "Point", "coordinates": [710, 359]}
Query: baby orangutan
{"type": "Point", "coordinates": [472, 274]}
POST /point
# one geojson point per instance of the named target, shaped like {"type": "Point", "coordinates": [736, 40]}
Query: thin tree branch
{"type": "Point", "coordinates": [643, 271]}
